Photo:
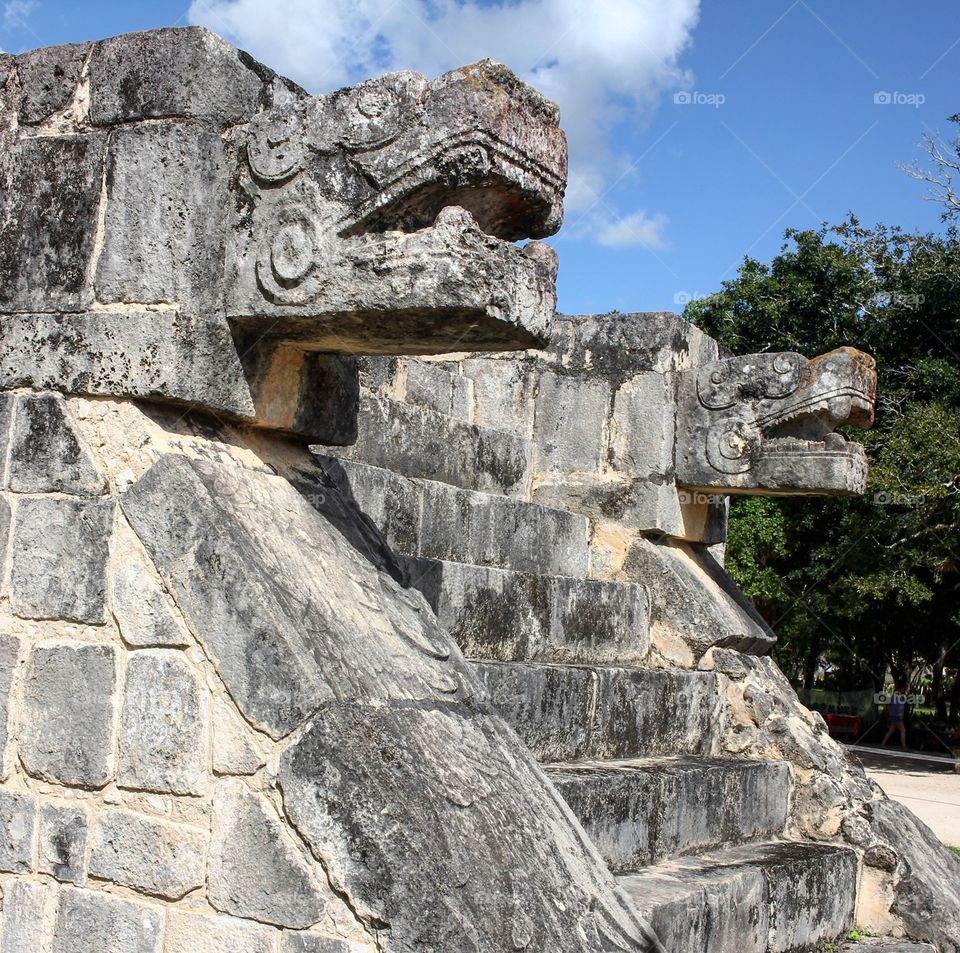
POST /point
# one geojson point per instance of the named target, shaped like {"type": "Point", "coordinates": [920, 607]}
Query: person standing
{"type": "Point", "coordinates": [896, 716]}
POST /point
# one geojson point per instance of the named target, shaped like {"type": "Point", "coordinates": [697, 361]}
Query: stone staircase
{"type": "Point", "coordinates": [696, 840]}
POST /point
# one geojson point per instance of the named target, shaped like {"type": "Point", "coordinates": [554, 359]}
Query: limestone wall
{"type": "Point", "coordinates": [225, 729]}
{"type": "Point", "coordinates": [136, 806]}
{"type": "Point", "coordinates": [586, 427]}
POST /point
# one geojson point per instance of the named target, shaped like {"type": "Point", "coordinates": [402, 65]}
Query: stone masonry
{"type": "Point", "coordinates": [467, 676]}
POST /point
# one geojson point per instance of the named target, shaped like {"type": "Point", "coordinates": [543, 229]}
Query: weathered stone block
{"type": "Point", "coordinates": [233, 750]}
{"type": "Point", "coordinates": [29, 912]}
{"type": "Point", "coordinates": [642, 426]}
{"type": "Point", "coordinates": [570, 423]}
{"type": "Point", "coordinates": [429, 385]}
{"type": "Point", "coordinates": [48, 454]}
{"type": "Point", "coordinates": [156, 857]}
{"type": "Point", "coordinates": [650, 712]}
{"type": "Point", "coordinates": [550, 707]}
{"type": "Point", "coordinates": [812, 890]}
{"type": "Point", "coordinates": [163, 725]}
{"type": "Point", "coordinates": [285, 625]}
{"type": "Point", "coordinates": [485, 530]}
{"type": "Point", "coordinates": [502, 394]}
{"type": "Point", "coordinates": [420, 442]}
{"type": "Point", "coordinates": [296, 942]}
{"type": "Point", "coordinates": [643, 811]}
{"type": "Point", "coordinates": [162, 355]}
{"type": "Point", "coordinates": [256, 869]}
{"type": "Point", "coordinates": [694, 906]}
{"type": "Point", "coordinates": [48, 214]}
{"type": "Point", "coordinates": [188, 72]}
{"type": "Point", "coordinates": [165, 217]}
{"type": "Point", "coordinates": [49, 78]}
{"type": "Point", "coordinates": [618, 346]}
{"type": "Point", "coordinates": [192, 933]}
{"type": "Point", "coordinates": [436, 386]}
{"type": "Point", "coordinates": [89, 921]}
{"type": "Point", "coordinates": [506, 616]}
{"type": "Point", "coordinates": [9, 656]}
{"type": "Point", "coordinates": [143, 609]}
{"type": "Point", "coordinates": [693, 602]}
{"type": "Point", "coordinates": [68, 730]}
{"type": "Point", "coordinates": [60, 549]}
{"type": "Point", "coordinates": [8, 403]}
{"type": "Point", "coordinates": [574, 713]}
{"type": "Point", "coordinates": [63, 841]}
{"type": "Point", "coordinates": [18, 826]}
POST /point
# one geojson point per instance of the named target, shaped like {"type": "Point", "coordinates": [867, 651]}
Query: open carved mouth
{"type": "Point", "coordinates": [389, 212]}
{"type": "Point", "coordinates": [509, 196]}
{"type": "Point", "coordinates": [766, 423]}
{"type": "Point", "coordinates": [810, 426]}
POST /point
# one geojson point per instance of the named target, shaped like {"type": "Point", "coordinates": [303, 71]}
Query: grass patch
{"type": "Point", "coordinates": [858, 935]}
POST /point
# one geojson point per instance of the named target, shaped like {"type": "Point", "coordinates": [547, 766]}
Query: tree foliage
{"type": "Point", "coordinates": [866, 583]}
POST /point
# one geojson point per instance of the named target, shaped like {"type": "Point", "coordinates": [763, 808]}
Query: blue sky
{"type": "Point", "coordinates": [782, 127]}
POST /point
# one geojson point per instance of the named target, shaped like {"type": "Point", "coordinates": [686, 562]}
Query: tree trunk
{"type": "Point", "coordinates": [810, 668]}
{"type": "Point", "coordinates": [955, 699]}
{"type": "Point", "coordinates": [936, 688]}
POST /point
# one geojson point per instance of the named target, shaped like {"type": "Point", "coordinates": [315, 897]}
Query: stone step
{"type": "Point", "coordinates": [431, 520]}
{"type": "Point", "coordinates": [885, 945]}
{"type": "Point", "coordinates": [434, 384]}
{"type": "Point", "coordinates": [641, 811]}
{"type": "Point", "coordinates": [760, 898]}
{"type": "Point", "coordinates": [500, 615]}
{"type": "Point", "coordinates": [418, 441]}
{"type": "Point", "coordinates": [567, 713]}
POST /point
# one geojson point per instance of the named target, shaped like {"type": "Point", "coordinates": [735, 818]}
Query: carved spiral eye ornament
{"type": "Point", "coordinates": [789, 369]}
{"type": "Point", "coordinates": [276, 147]}
{"type": "Point", "coordinates": [287, 261]}
{"type": "Point", "coordinates": [715, 388]}
{"type": "Point", "coordinates": [733, 445]}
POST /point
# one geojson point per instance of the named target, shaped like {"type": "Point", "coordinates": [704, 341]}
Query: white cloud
{"type": "Point", "coordinates": [604, 61]}
{"type": "Point", "coordinates": [636, 229]}
{"type": "Point", "coordinates": [16, 11]}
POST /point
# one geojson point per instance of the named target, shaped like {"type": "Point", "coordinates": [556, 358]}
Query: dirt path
{"type": "Point", "coordinates": [931, 791]}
